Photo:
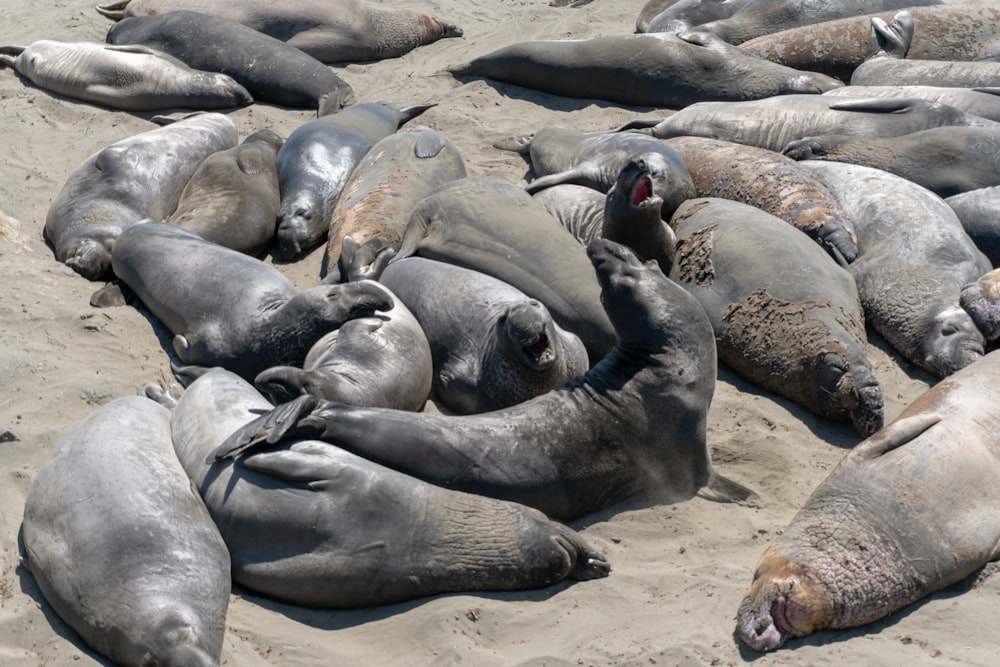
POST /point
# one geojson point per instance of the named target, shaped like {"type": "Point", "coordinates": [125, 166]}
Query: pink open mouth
{"type": "Point", "coordinates": [643, 190]}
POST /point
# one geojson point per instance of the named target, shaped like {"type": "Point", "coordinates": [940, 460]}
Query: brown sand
{"type": "Point", "coordinates": [679, 572]}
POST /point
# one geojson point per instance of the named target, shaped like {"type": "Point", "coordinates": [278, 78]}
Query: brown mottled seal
{"type": "Point", "coordinates": [772, 183]}
{"type": "Point", "coordinates": [786, 317]}
{"type": "Point", "coordinates": [121, 545]}
{"type": "Point", "coordinates": [132, 77]}
{"type": "Point", "coordinates": [136, 178]}
{"type": "Point", "coordinates": [347, 30]}
{"type": "Point", "coordinates": [909, 511]}
{"type": "Point", "coordinates": [636, 422]}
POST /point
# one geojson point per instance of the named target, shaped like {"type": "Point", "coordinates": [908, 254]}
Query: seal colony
{"type": "Point", "coordinates": [682, 566]}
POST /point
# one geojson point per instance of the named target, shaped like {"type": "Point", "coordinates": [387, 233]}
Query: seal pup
{"type": "Point", "coordinates": [232, 198]}
{"type": "Point", "coordinates": [228, 309]}
{"type": "Point", "coordinates": [132, 78]}
{"type": "Point", "coordinates": [348, 30]}
{"type": "Point", "coordinates": [315, 162]}
{"type": "Point", "coordinates": [288, 76]}
{"type": "Point", "coordinates": [981, 101]}
{"type": "Point", "coordinates": [122, 546]}
{"type": "Point", "coordinates": [907, 512]}
{"type": "Point", "coordinates": [492, 346]}
{"type": "Point", "coordinates": [316, 526]}
{"type": "Point", "coordinates": [663, 70]}
{"type": "Point", "coordinates": [634, 423]}
{"type": "Point", "coordinates": [133, 179]}
{"type": "Point", "coordinates": [786, 317]}
{"type": "Point", "coordinates": [914, 258]}
{"type": "Point", "coordinates": [979, 212]}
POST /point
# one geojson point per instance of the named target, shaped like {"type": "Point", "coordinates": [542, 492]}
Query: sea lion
{"type": "Point", "coordinates": [774, 122]}
{"type": "Point", "coordinates": [348, 30]}
{"type": "Point", "coordinates": [772, 183]}
{"type": "Point", "coordinates": [271, 70]}
{"type": "Point", "coordinates": [315, 162]}
{"type": "Point", "coordinates": [491, 345]}
{"type": "Point", "coordinates": [136, 178]}
{"type": "Point", "coordinates": [663, 70]}
{"type": "Point", "coordinates": [132, 78]}
{"type": "Point", "coordinates": [979, 211]}
{"type": "Point", "coordinates": [121, 545]}
{"type": "Point", "coordinates": [786, 317]}
{"type": "Point", "coordinates": [983, 102]}
{"type": "Point", "coordinates": [686, 14]}
{"type": "Point", "coordinates": [228, 309]}
{"type": "Point", "coordinates": [945, 160]}
{"type": "Point", "coordinates": [981, 300]}
{"type": "Point", "coordinates": [383, 360]}
{"type": "Point", "coordinates": [909, 511]}
{"type": "Point", "coordinates": [914, 258]}
{"type": "Point", "coordinates": [385, 187]}
{"type": "Point", "coordinates": [577, 208]}
{"type": "Point", "coordinates": [635, 423]}
{"type": "Point", "coordinates": [317, 526]}
{"type": "Point", "coordinates": [232, 197]}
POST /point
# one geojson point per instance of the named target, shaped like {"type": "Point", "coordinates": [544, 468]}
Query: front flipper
{"type": "Point", "coordinates": [580, 175]}
{"type": "Point", "coordinates": [364, 262]}
{"type": "Point", "coordinates": [896, 435]}
{"type": "Point", "coordinates": [875, 105]}
{"type": "Point", "coordinates": [292, 419]}
{"type": "Point", "coordinates": [303, 465]}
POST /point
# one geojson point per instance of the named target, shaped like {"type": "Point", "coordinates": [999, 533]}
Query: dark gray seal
{"type": "Point", "coordinates": [314, 525]}
{"type": "Point", "coordinates": [136, 178]}
{"type": "Point", "coordinates": [635, 423]}
{"type": "Point", "coordinates": [577, 208]}
{"type": "Point", "coordinates": [660, 70]}
{"type": "Point", "coordinates": [979, 211]}
{"type": "Point", "coordinates": [908, 512]}
{"type": "Point", "coordinates": [271, 70]}
{"type": "Point", "coordinates": [347, 30]}
{"type": "Point", "coordinates": [133, 77]}
{"type": "Point", "coordinates": [983, 101]}
{"type": "Point", "coordinates": [228, 309]}
{"type": "Point", "coordinates": [383, 360]}
{"type": "Point", "coordinates": [315, 162]}
{"type": "Point", "coordinates": [121, 545]}
{"type": "Point", "coordinates": [232, 198]}
{"type": "Point", "coordinates": [686, 14]}
{"type": "Point", "coordinates": [491, 345]}
{"type": "Point", "coordinates": [914, 258]}
{"type": "Point", "coordinates": [786, 316]}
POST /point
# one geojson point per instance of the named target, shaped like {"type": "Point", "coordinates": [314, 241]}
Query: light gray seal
{"type": "Point", "coordinates": [228, 309]}
{"type": "Point", "coordinates": [232, 198]}
{"type": "Point", "coordinates": [577, 208]}
{"type": "Point", "coordinates": [132, 77]}
{"type": "Point", "coordinates": [491, 345]}
{"type": "Point", "coordinates": [346, 30]}
{"type": "Point", "coordinates": [980, 101]}
{"type": "Point", "coordinates": [316, 526]}
{"type": "Point", "coordinates": [979, 211]}
{"type": "Point", "coordinates": [914, 258]}
{"type": "Point", "coordinates": [662, 70]}
{"type": "Point", "coordinates": [133, 179]}
{"type": "Point", "coordinates": [271, 70]}
{"type": "Point", "coordinates": [315, 162]}
{"type": "Point", "coordinates": [686, 14]}
{"type": "Point", "coordinates": [635, 423]}
{"type": "Point", "coordinates": [122, 546]}
{"type": "Point", "coordinates": [908, 512]}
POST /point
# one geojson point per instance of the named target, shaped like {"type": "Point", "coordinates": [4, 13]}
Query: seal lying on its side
{"type": "Point", "coordinates": [686, 14]}
{"type": "Point", "coordinates": [636, 422]}
{"type": "Point", "coordinates": [121, 545]}
{"type": "Point", "coordinates": [979, 211]}
{"type": "Point", "coordinates": [909, 511]}
{"type": "Point", "coordinates": [317, 526]}
{"type": "Point", "coordinates": [983, 102]}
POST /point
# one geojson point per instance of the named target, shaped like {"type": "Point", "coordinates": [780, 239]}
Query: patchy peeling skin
{"type": "Point", "coordinates": [694, 258]}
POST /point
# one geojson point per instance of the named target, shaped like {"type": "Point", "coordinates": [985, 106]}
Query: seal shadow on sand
{"type": "Point", "coordinates": [548, 100]}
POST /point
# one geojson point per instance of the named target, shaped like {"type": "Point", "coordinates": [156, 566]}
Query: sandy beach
{"type": "Point", "coordinates": [678, 571]}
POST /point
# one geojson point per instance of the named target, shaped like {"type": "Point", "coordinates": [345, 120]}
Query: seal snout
{"type": "Point", "coordinates": [526, 326]}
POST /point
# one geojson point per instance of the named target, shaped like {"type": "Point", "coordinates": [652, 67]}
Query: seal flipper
{"type": "Point", "coordinates": [638, 124]}
{"type": "Point", "coordinates": [891, 40]}
{"type": "Point", "coordinates": [114, 10]}
{"type": "Point", "coordinates": [875, 104]}
{"type": "Point", "coordinates": [583, 174]}
{"type": "Point", "coordinates": [895, 435]}
{"type": "Point", "coordinates": [281, 383]}
{"type": "Point", "coordinates": [363, 262]}
{"type": "Point", "coordinates": [301, 466]}
{"type": "Point", "coordinates": [292, 419]}
{"type": "Point", "coordinates": [115, 293]}
{"type": "Point", "coordinates": [8, 55]}
{"type": "Point", "coordinates": [521, 144]}
{"type": "Point", "coordinates": [428, 145]}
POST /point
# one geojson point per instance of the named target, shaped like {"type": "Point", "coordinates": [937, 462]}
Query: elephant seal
{"type": "Point", "coordinates": [315, 162]}
{"type": "Point", "coordinates": [577, 208]}
{"type": "Point", "coordinates": [907, 512]}
{"type": "Point", "coordinates": [232, 198]}
{"type": "Point", "coordinates": [314, 525]}
{"type": "Point", "coordinates": [981, 300]}
{"type": "Point", "coordinates": [271, 70]}
{"type": "Point", "coordinates": [383, 360]}
{"type": "Point", "coordinates": [132, 78]}
{"type": "Point", "coordinates": [136, 178]}
{"type": "Point", "coordinates": [772, 183]}
{"type": "Point", "coordinates": [348, 30]}
{"type": "Point", "coordinates": [385, 187]}
{"type": "Point", "coordinates": [983, 102]}
{"type": "Point", "coordinates": [786, 317]}
{"type": "Point", "coordinates": [227, 309]}
{"type": "Point", "coordinates": [686, 14]}
{"type": "Point", "coordinates": [635, 423]}
{"type": "Point", "coordinates": [776, 121]}
{"type": "Point", "coordinates": [121, 545]}
{"type": "Point", "coordinates": [945, 160]}
{"type": "Point", "coordinates": [492, 346]}
{"type": "Point", "coordinates": [914, 258]}
{"type": "Point", "coordinates": [649, 12]}
{"type": "Point", "coordinates": [660, 70]}
{"type": "Point", "coordinates": [979, 212]}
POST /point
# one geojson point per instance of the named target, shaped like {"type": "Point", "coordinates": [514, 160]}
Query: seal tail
{"type": "Point", "coordinates": [724, 490]}
{"type": "Point", "coordinates": [113, 10]}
